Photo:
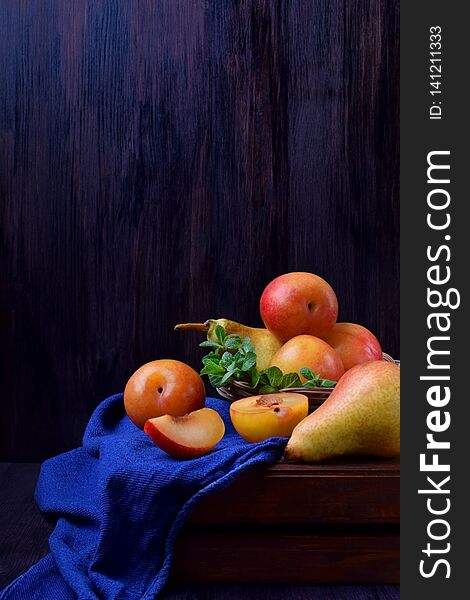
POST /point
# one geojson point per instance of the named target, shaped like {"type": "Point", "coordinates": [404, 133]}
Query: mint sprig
{"type": "Point", "coordinates": [314, 380]}
{"type": "Point", "coordinates": [232, 358]}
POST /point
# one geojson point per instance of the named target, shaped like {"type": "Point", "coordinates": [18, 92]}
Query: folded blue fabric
{"type": "Point", "coordinates": [119, 503]}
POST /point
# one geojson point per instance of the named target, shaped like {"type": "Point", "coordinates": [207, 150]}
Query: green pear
{"type": "Point", "coordinates": [361, 416]}
{"type": "Point", "coordinates": [262, 340]}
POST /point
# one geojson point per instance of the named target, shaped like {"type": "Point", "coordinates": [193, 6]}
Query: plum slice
{"type": "Point", "coordinates": [189, 436]}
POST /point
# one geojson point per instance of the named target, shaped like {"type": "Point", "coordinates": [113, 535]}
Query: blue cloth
{"type": "Point", "coordinates": [119, 503]}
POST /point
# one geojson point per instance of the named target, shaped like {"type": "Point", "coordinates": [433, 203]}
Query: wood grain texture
{"type": "Point", "coordinates": [352, 493]}
{"type": "Point", "coordinates": [303, 557]}
{"type": "Point", "coordinates": [23, 529]}
{"type": "Point", "coordinates": [282, 592]}
{"type": "Point", "coordinates": [24, 532]}
{"type": "Point", "coordinates": [161, 161]}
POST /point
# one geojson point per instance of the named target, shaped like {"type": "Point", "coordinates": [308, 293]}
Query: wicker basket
{"type": "Point", "coordinates": [315, 395]}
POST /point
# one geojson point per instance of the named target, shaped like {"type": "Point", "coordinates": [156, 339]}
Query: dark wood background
{"type": "Point", "coordinates": [161, 161]}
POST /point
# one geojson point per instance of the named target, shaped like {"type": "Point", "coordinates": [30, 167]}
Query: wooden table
{"type": "Point", "coordinates": [329, 523]}
{"type": "Point", "coordinates": [274, 533]}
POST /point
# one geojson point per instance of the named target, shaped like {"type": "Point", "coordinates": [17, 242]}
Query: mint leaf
{"type": "Point", "coordinates": [314, 380]}
{"type": "Point", "coordinates": [307, 373]}
{"type": "Point", "coordinates": [210, 344]}
{"type": "Point", "coordinates": [226, 377]}
{"type": "Point", "coordinates": [246, 345]}
{"type": "Point", "coordinates": [220, 333]}
{"type": "Point", "coordinates": [327, 383]}
{"type": "Point", "coordinates": [232, 368]}
{"type": "Point", "coordinates": [212, 368]}
{"type": "Point", "coordinates": [310, 384]}
{"type": "Point", "coordinates": [274, 375]}
{"type": "Point", "coordinates": [215, 380]}
{"type": "Point", "coordinates": [233, 342]}
{"type": "Point", "coordinates": [249, 361]}
{"type": "Point", "coordinates": [227, 359]}
{"type": "Point", "coordinates": [290, 380]}
{"type": "Point", "coordinates": [255, 377]}
{"type": "Point", "coordinates": [211, 357]}
{"type": "Point", "coordinates": [263, 380]}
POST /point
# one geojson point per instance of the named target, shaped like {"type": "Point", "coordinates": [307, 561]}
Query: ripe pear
{"type": "Point", "coordinates": [262, 340]}
{"type": "Point", "coordinates": [361, 416]}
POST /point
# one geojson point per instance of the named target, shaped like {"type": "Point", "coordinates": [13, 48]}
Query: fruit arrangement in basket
{"type": "Point", "coordinates": [302, 348]}
{"type": "Point", "coordinates": [274, 377]}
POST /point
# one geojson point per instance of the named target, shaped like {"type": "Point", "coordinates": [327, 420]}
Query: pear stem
{"type": "Point", "coordinates": [194, 326]}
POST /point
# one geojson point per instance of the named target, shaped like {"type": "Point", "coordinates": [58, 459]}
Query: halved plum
{"type": "Point", "coordinates": [270, 415]}
{"type": "Point", "coordinates": [190, 436]}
